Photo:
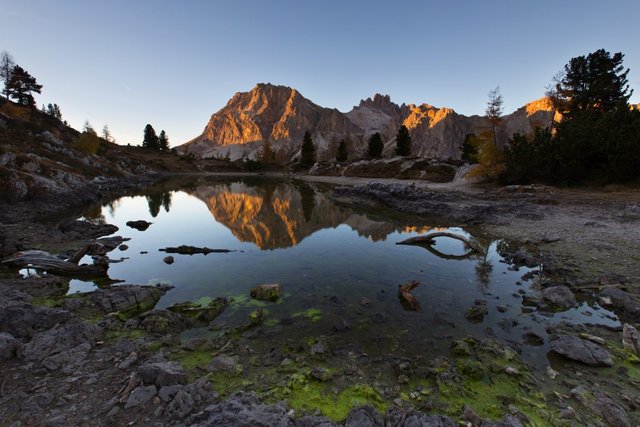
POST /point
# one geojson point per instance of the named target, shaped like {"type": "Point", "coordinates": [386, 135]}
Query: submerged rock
{"type": "Point", "coordinates": [476, 313]}
{"type": "Point", "coordinates": [580, 350]}
{"type": "Point", "coordinates": [204, 311]}
{"type": "Point", "coordinates": [267, 292]}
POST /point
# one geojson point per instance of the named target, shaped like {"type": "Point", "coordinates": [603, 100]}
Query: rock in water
{"type": "Point", "coordinates": [268, 292]}
{"type": "Point", "coordinates": [559, 296]}
{"type": "Point", "coordinates": [139, 225]}
{"type": "Point", "coordinates": [580, 350]}
{"type": "Point", "coordinates": [631, 339]}
{"type": "Point", "coordinates": [168, 260]}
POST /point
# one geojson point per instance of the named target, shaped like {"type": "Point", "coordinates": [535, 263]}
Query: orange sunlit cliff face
{"type": "Point", "coordinates": [281, 215]}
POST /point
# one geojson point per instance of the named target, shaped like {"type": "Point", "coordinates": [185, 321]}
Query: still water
{"type": "Point", "coordinates": [338, 264]}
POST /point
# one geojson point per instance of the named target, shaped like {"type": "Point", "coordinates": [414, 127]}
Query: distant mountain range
{"type": "Point", "coordinates": [281, 115]}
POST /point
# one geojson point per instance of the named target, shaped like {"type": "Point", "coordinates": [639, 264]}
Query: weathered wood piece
{"type": "Point", "coordinates": [428, 239]}
{"type": "Point", "coordinates": [408, 301]}
{"type": "Point", "coordinates": [45, 261]}
{"type": "Point", "coordinates": [191, 250]}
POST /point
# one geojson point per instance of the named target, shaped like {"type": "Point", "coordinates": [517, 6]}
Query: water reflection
{"type": "Point", "coordinates": [280, 215]}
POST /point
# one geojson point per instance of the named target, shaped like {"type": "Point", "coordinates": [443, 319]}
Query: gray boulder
{"type": "Point", "coordinates": [580, 350]}
{"type": "Point", "coordinates": [67, 361]}
{"type": "Point", "coordinates": [224, 363]}
{"type": "Point", "coordinates": [139, 396]}
{"type": "Point", "coordinates": [626, 305]}
{"type": "Point", "coordinates": [59, 339]}
{"type": "Point", "coordinates": [8, 346]}
{"type": "Point", "coordinates": [365, 416]}
{"type": "Point", "coordinates": [631, 339]}
{"type": "Point", "coordinates": [397, 417]}
{"type": "Point", "coordinates": [162, 373]}
{"type": "Point", "coordinates": [24, 320]}
{"type": "Point", "coordinates": [559, 296]}
{"type": "Point", "coordinates": [181, 406]}
{"type": "Point", "coordinates": [244, 410]}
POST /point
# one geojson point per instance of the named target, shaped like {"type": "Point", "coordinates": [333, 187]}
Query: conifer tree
{"type": "Point", "coordinates": [494, 111]}
{"type": "Point", "coordinates": [150, 139]}
{"type": "Point", "coordinates": [308, 151]}
{"type": "Point", "coordinates": [20, 86]}
{"type": "Point", "coordinates": [403, 142]}
{"type": "Point", "coordinates": [375, 146]}
{"type": "Point", "coordinates": [342, 153]}
{"type": "Point", "coordinates": [163, 141]}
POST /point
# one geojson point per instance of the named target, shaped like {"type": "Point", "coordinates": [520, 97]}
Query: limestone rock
{"type": "Point", "coordinates": [559, 296]}
{"type": "Point", "coordinates": [59, 339]}
{"type": "Point", "coordinates": [580, 350]}
{"type": "Point", "coordinates": [8, 346]}
{"type": "Point", "coordinates": [243, 409]}
{"type": "Point", "coordinates": [631, 339]}
{"type": "Point", "coordinates": [162, 373]}
{"type": "Point", "coordinates": [268, 292]}
{"type": "Point", "coordinates": [139, 396]}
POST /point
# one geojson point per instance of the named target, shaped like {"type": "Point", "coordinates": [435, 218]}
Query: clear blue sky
{"type": "Point", "coordinates": [173, 64]}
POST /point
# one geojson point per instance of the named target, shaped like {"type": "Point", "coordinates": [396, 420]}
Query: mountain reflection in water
{"type": "Point", "coordinates": [281, 215]}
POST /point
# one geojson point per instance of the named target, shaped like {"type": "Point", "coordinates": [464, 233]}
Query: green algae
{"type": "Point", "coordinates": [313, 314]}
{"type": "Point", "coordinates": [314, 396]}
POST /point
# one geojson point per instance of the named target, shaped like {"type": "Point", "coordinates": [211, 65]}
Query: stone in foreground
{"type": "Point", "coordinates": [580, 350]}
{"type": "Point", "coordinates": [267, 292]}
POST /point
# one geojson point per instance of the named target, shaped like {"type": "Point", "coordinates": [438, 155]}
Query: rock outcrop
{"type": "Point", "coordinates": [281, 115]}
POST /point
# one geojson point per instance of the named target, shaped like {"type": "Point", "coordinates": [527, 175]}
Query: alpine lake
{"type": "Point", "coordinates": [339, 334]}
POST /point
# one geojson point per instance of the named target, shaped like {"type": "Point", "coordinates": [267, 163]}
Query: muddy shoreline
{"type": "Point", "coordinates": [109, 353]}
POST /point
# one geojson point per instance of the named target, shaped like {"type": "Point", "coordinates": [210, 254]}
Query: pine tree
{"type": "Point", "coordinates": [342, 154]}
{"type": "Point", "coordinates": [150, 139]}
{"type": "Point", "coordinates": [375, 146]}
{"type": "Point", "coordinates": [494, 111]}
{"type": "Point", "coordinates": [403, 142]}
{"type": "Point", "coordinates": [308, 151]}
{"type": "Point", "coordinates": [163, 141]}
{"type": "Point", "coordinates": [20, 86]}
{"type": "Point", "coordinates": [596, 82]}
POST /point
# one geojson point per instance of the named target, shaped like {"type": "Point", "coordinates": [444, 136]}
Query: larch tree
{"type": "Point", "coordinates": [375, 146]}
{"type": "Point", "coordinates": [403, 142]}
{"type": "Point", "coordinates": [163, 141]}
{"type": "Point", "coordinates": [308, 151]}
{"type": "Point", "coordinates": [6, 68]}
{"type": "Point", "coordinates": [494, 112]}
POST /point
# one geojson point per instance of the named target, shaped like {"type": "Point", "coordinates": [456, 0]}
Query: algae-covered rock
{"type": "Point", "coordinates": [476, 313]}
{"type": "Point", "coordinates": [631, 339]}
{"type": "Point", "coordinates": [267, 292]}
{"type": "Point", "coordinates": [162, 322]}
{"type": "Point", "coordinates": [204, 310]}
{"type": "Point", "coordinates": [580, 350]}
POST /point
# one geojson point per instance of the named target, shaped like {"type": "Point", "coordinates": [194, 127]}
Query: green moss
{"type": "Point", "coordinates": [336, 406]}
{"type": "Point", "coordinates": [313, 314]}
{"type": "Point", "coordinates": [205, 309]}
{"type": "Point", "coordinates": [47, 302]}
{"type": "Point", "coordinates": [192, 360]}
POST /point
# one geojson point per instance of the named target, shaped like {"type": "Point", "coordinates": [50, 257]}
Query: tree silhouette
{"type": "Point", "coordinates": [494, 111]}
{"type": "Point", "coordinates": [20, 86]}
{"type": "Point", "coordinates": [375, 146]}
{"type": "Point", "coordinates": [308, 151]}
{"type": "Point", "coordinates": [403, 142]}
{"type": "Point", "coordinates": [163, 141]}
{"type": "Point", "coordinates": [6, 68]}
{"type": "Point", "coordinates": [342, 154]}
{"type": "Point", "coordinates": [150, 140]}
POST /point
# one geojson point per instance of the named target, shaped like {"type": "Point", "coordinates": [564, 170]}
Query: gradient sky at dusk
{"type": "Point", "coordinates": [173, 64]}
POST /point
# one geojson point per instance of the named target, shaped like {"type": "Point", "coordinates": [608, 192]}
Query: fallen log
{"type": "Point", "coordinates": [45, 261]}
{"type": "Point", "coordinates": [408, 301]}
{"type": "Point", "coordinates": [428, 240]}
{"type": "Point", "coordinates": [191, 250]}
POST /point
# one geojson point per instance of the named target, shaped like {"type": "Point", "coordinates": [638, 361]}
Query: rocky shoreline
{"type": "Point", "coordinates": [109, 357]}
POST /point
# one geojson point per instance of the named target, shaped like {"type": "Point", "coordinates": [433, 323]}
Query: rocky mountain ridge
{"type": "Point", "coordinates": [281, 115]}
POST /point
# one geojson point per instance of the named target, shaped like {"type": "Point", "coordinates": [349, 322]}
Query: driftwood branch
{"type": "Point", "coordinates": [191, 250]}
{"type": "Point", "coordinates": [428, 240]}
{"type": "Point", "coordinates": [47, 262]}
{"type": "Point", "coordinates": [408, 301]}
